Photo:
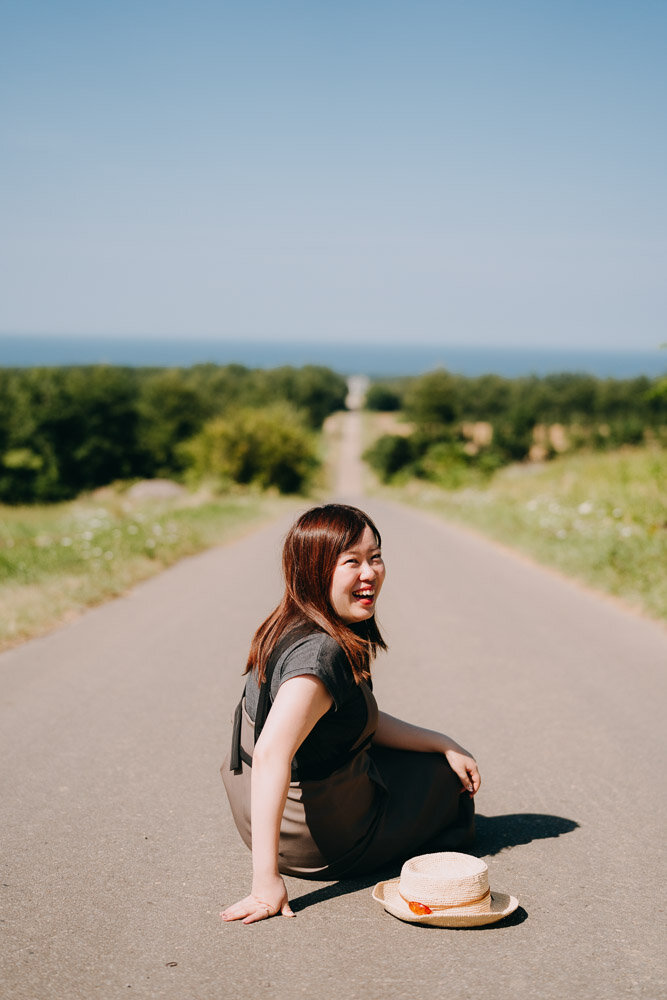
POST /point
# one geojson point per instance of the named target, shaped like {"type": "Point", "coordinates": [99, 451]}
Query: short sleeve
{"type": "Point", "coordinates": [320, 656]}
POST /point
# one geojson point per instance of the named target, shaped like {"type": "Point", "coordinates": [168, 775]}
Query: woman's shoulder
{"type": "Point", "coordinates": [318, 653]}
{"type": "Point", "coordinates": [311, 645]}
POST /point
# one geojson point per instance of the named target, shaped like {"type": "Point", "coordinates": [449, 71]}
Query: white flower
{"type": "Point", "coordinates": [65, 541]}
{"type": "Point", "coordinates": [585, 508]}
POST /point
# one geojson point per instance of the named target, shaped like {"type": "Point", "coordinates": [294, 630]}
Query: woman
{"type": "Point", "coordinates": [338, 788]}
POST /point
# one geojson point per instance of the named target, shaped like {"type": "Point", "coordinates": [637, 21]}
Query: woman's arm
{"type": "Point", "coordinates": [300, 702]}
{"type": "Point", "coordinates": [401, 735]}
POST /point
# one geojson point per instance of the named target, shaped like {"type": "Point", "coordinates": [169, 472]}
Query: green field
{"type": "Point", "coordinates": [57, 560]}
{"type": "Point", "coordinates": [600, 517]}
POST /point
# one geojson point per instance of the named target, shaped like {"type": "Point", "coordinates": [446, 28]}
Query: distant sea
{"type": "Point", "coordinates": [25, 350]}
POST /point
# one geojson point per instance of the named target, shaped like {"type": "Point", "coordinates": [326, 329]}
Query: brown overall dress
{"type": "Point", "coordinates": [379, 805]}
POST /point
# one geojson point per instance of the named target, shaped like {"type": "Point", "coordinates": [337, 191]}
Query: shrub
{"type": "Point", "coordinates": [268, 447]}
{"type": "Point", "coordinates": [513, 436]}
{"type": "Point", "coordinates": [434, 399]}
{"type": "Point", "coordinates": [445, 464]}
{"type": "Point", "coordinates": [170, 412]}
{"type": "Point", "coordinates": [315, 391]}
{"type": "Point", "coordinates": [65, 430]}
{"type": "Point", "coordinates": [390, 454]}
{"type": "Point", "coordinates": [383, 399]}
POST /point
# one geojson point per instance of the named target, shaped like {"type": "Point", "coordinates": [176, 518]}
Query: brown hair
{"type": "Point", "coordinates": [310, 553]}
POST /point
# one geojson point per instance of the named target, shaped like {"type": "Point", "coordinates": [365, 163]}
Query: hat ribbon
{"type": "Point", "coordinates": [422, 908]}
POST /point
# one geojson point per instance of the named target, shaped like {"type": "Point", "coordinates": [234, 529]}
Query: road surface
{"type": "Point", "coordinates": [118, 849]}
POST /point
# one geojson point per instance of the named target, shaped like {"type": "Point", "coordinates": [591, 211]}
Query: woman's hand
{"type": "Point", "coordinates": [465, 767]}
{"type": "Point", "coordinates": [266, 900]}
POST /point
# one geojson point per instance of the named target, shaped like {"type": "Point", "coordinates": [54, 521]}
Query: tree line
{"type": "Point", "coordinates": [462, 425]}
{"type": "Point", "coordinates": [64, 430]}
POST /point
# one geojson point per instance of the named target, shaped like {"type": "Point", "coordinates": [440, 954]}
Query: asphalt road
{"type": "Point", "coordinates": [118, 849]}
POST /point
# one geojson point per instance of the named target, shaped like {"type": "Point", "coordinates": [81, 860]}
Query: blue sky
{"type": "Point", "coordinates": [418, 171]}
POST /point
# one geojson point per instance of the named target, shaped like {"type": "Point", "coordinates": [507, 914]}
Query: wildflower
{"type": "Point", "coordinates": [108, 555]}
{"type": "Point", "coordinates": [585, 508]}
{"type": "Point", "coordinates": [150, 543]}
{"type": "Point", "coordinates": [132, 529]}
{"type": "Point", "coordinates": [65, 541]}
{"type": "Point", "coordinates": [561, 533]}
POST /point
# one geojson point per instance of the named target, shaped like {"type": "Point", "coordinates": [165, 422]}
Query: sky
{"type": "Point", "coordinates": [378, 171]}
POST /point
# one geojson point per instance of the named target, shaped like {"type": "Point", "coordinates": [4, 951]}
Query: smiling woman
{"type": "Point", "coordinates": [322, 784]}
{"type": "Point", "coordinates": [357, 579]}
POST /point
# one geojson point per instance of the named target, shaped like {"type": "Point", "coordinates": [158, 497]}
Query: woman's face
{"type": "Point", "coordinates": [357, 580]}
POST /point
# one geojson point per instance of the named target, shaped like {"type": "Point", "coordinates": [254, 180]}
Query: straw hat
{"type": "Point", "coordinates": [444, 890]}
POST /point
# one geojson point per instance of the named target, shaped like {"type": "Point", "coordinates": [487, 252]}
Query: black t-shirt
{"type": "Point", "coordinates": [319, 655]}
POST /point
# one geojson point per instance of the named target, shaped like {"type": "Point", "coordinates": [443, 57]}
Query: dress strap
{"type": "Point", "coordinates": [235, 755]}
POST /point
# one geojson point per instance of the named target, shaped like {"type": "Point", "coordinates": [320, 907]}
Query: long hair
{"type": "Point", "coordinates": [310, 553]}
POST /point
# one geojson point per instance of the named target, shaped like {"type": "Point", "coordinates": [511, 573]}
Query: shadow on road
{"type": "Point", "coordinates": [494, 834]}
{"type": "Point", "coordinates": [513, 920]}
{"type": "Point", "coordinates": [342, 888]}
{"type": "Point", "coordinates": [357, 884]}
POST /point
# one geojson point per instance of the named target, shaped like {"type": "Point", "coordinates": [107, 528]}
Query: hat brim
{"type": "Point", "coordinates": [387, 893]}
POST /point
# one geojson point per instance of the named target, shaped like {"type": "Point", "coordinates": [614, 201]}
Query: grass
{"type": "Point", "coordinates": [57, 560]}
{"type": "Point", "coordinates": [600, 517]}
